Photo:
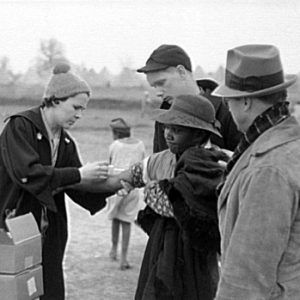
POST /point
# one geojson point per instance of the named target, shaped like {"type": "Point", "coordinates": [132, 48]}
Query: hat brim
{"type": "Point", "coordinates": [173, 118]}
{"type": "Point", "coordinates": [226, 92]}
{"type": "Point", "coordinates": [207, 83]}
{"type": "Point", "coordinates": [152, 66]}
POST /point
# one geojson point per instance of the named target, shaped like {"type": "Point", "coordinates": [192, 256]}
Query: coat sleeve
{"type": "Point", "coordinates": [259, 237]}
{"type": "Point", "coordinates": [93, 202]}
{"type": "Point", "coordinates": [22, 162]}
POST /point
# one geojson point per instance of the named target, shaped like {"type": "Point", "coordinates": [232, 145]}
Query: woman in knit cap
{"type": "Point", "coordinates": [38, 159]}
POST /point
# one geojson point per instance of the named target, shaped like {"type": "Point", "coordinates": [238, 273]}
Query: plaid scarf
{"type": "Point", "coordinates": [269, 118]}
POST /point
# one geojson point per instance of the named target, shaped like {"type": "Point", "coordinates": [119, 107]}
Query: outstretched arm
{"type": "Point", "coordinates": [104, 183]}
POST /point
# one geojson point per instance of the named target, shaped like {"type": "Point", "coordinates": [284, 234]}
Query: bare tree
{"type": "Point", "coordinates": [7, 77]}
{"type": "Point", "coordinates": [51, 52]}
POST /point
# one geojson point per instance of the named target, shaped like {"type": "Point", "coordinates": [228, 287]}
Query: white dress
{"type": "Point", "coordinates": [123, 153]}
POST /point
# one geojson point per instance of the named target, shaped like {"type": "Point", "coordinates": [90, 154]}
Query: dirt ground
{"type": "Point", "coordinates": [89, 273]}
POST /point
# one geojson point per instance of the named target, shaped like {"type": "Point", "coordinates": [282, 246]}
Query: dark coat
{"type": "Point", "coordinates": [180, 260]}
{"type": "Point", "coordinates": [27, 183]}
{"type": "Point", "coordinates": [230, 134]}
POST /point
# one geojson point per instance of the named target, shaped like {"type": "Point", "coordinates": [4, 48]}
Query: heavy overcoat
{"type": "Point", "coordinates": [259, 219]}
{"type": "Point", "coordinates": [28, 184]}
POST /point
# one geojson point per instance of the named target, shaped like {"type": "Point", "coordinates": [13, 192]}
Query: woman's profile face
{"type": "Point", "coordinates": [66, 113]}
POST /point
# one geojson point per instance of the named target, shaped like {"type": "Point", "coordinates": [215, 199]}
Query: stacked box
{"type": "Point", "coordinates": [21, 276]}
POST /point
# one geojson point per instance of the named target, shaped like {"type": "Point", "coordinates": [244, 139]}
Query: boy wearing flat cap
{"type": "Point", "coordinates": [169, 71]}
{"type": "Point", "coordinates": [258, 206]}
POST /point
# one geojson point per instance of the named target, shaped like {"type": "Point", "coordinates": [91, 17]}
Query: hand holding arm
{"type": "Point", "coordinates": [103, 183]}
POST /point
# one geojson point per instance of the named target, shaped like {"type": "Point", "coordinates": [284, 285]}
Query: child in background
{"type": "Point", "coordinates": [122, 209]}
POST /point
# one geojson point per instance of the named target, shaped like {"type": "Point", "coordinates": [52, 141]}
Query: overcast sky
{"type": "Point", "coordinates": [121, 33]}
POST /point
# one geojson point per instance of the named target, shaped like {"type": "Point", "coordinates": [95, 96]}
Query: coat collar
{"type": "Point", "coordinates": [285, 132]}
{"type": "Point", "coordinates": [34, 116]}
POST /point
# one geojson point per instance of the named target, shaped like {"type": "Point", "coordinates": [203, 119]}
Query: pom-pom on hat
{"type": "Point", "coordinates": [63, 83]}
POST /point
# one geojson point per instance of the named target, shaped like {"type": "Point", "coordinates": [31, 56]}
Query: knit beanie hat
{"type": "Point", "coordinates": [64, 84]}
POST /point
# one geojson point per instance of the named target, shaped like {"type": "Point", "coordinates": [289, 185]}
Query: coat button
{"type": "Point", "coordinates": [24, 180]}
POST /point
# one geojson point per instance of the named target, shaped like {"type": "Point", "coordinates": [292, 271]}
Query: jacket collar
{"type": "Point", "coordinates": [34, 116]}
{"type": "Point", "coordinates": [285, 132]}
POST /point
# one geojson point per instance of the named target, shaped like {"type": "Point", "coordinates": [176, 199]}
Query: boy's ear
{"type": "Point", "coordinates": [181, 70]}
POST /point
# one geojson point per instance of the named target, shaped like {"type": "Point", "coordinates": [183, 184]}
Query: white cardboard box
{"type": "Point", "coordinates": [21, 247]}
{"type": "Point", "coordinates": [26, 285]}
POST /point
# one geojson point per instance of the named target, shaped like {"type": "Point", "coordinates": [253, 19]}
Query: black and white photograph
{"type": "Point", "coordinates": [149, 149]}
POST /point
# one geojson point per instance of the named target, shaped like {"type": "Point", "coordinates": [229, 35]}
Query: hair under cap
{"type": "Point", "coordinates": [63, 83]}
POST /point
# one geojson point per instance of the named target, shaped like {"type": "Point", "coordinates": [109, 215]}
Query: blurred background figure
{"type": "Point", "coordinates": [208, 85]}
{"type": "Point", "coordinates": [123, 207]}
{"type": "Point", "coordinates": [145, 102]}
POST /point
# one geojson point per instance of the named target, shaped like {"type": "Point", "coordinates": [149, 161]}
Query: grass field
{"type": "Point", "coordinates": [89, 273]}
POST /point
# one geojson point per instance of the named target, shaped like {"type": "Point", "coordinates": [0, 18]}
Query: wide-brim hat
{"type": "Point", "coordinates": [189, 111]}
{"type": "Point", "coordinates": [253, 70]}
{"type": "Point", "coordinates": [166, 56]}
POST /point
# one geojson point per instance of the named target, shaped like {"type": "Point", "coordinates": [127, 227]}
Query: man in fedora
{"type": "Point", "coordinates": [258, 206]}
{"type": "Point", "coordinates": [169, 71]}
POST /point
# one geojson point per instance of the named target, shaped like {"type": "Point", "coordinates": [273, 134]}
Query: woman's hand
{"type": "Point", "coordinates": [95, 178]}
{"type": "Point", "coordinates": [94, 172]}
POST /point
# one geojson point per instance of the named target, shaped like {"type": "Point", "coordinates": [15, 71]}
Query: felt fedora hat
{"type": "Point", "coordinates": [253, 70]}
{"type": "Point", "coordinates": [189, 111]}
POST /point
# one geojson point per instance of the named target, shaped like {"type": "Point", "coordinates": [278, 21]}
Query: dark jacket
{"type": "Point", "coordinates": [27, 183]}
{"type": "Point", "coordinates": [180, 260]}
{"type": "Point", "coordinates": [230, 134]}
